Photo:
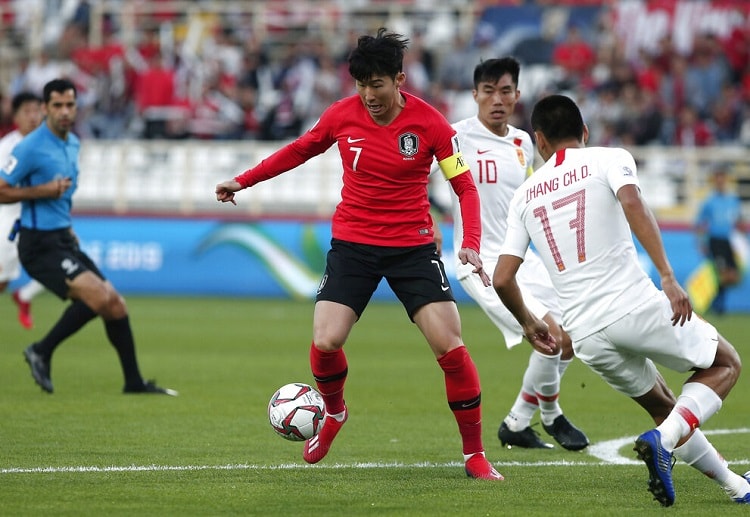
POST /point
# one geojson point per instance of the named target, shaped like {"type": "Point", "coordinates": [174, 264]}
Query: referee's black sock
{"type": "Point", "coordinates": [121, 337]}
{"type": "Point", "coordinates": [75, 316]}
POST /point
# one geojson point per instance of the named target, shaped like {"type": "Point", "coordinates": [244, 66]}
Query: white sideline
{"type": "Point", "coordinates": [606, 452]}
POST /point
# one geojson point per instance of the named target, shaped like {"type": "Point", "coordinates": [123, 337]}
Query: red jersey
{"type": "Point", "coordinates": [384, 198]}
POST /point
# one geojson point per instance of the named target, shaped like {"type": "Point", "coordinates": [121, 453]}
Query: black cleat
{"type": "Point", "coordinates": [150, 387]}
{"type": "Point", "coordinates": [566, 434]}
{"type": "Point", "coordinates": [527, 438]}
{"type": "Point", "coordinates": [39, 368]}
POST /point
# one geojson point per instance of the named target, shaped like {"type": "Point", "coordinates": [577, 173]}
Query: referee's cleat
{"type": "Point", "coordinates": [526, 438]}
{"type": "Point", "coordinates": [566, 434]}
{"type": "Point", "coordinates": [39, 368]}
{"type": "Point", "coordinates": [150, 387]}
{"type": "Point", "coordinates": [659, 463]}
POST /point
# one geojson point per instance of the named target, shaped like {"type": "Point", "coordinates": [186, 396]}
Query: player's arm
{"type": "Point", "coordinates": [52, 189]}
{"type": "Point", "coordinates": [310, 144]}
{"type": "Point", "coordinates": [506, 286]}
{"type": "Point", "coordinates": [468, 199]}
{"type": "Point", "coordinates": [643, 224]}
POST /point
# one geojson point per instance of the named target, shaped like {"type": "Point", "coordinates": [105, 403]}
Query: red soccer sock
{"type": "Point", "coordinates": [464, 396]}
{"type": "Point", "coordinates": [330, 370]}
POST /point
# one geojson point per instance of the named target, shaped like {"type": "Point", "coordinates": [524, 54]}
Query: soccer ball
{"type": "Point", "coordinates": [296, 412]}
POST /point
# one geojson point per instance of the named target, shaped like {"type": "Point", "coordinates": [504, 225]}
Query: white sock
{"type": "Point", "coordinates": [695, 405]}
{"type": "Point", "coordinates": [525, 405]}
{"type": "Point", "coordinates": [702, 456]}
{"type": "Point", "coordinates": [28, 291]}
{"type": "Point", "coordinates": [339, 417]}
{"type": "Point", "coordinates": [467, 456]}
{"type": "Point", "coordinates": [545, 373]}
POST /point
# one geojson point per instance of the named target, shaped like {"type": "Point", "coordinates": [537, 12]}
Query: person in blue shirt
{"type": "Point", "coordinates": [42, 173]}
{"type": "Point", "coordinates": [718, 217]}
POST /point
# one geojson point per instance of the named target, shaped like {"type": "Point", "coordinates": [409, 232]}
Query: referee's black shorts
{"type": "Point", "coordinates": [53, 257]}
{"type": "Point", "coordinates": [353, 271]}
{"type": "Point", "coordinates": [722, 252]}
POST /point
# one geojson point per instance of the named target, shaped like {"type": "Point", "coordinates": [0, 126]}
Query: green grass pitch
{"type": "Point", "coordinates": [89, 450]}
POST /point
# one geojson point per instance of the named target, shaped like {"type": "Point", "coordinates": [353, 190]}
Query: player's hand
{"type": "Point", "coordinates": [537, 332]}
{"type": "Point", "coordinates": [225, 191]}
{"type": "Point", "coordinates": [469, 256]}
{"type": "Point", "coordinates": [682, 310]}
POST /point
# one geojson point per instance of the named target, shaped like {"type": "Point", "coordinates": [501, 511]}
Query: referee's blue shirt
{"type": "Point", "coordinates": [41, 157]}
{"type": "Point", "coordinates": [720, 212]}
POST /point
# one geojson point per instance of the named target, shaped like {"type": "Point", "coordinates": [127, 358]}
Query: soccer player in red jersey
{"type": "Point", "coordinates": [382, 227]}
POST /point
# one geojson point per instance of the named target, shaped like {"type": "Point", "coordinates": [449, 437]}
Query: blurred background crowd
{"type": "Point", "coordinates": [663, 72]}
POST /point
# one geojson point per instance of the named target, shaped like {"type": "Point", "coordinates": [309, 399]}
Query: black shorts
{"type": "Point", "coordinates": [53, 257]}
{"type": "Point", "coordinates": [353, 271]}
{"type": "Point", "coordinates": [722, 253]}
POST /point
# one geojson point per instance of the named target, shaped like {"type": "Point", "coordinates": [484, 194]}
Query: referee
{"type": "Point", "coordinates": [42, 173]}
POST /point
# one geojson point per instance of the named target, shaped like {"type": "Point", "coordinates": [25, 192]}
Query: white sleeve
{"type": "Point", "coordinates": [621, 169]}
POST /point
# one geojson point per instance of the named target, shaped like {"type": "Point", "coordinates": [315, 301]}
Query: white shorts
{"type": "Point", "coordinates": [10, 267]}
{"type": "Point", "coordinates": [535, 285]}
{"type": "Point", "coordinates": [624, 353]}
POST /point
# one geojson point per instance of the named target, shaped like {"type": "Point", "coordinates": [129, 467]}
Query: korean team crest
{"type": "Point", "coordinates": [408, 144]}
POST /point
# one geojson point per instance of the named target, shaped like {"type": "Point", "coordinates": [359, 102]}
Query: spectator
{"type": "Point", "coordinates": [691, 131]}
{"type": "Point", "coordinates": [574, 55]}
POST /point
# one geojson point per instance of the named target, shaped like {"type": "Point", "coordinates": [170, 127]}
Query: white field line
{"type": "Point", "coordinates": [608, 453]}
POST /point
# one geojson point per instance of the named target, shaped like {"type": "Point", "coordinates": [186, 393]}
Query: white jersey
{"type": "Point", "coordinates": [568, 208]}
{"type": "Point", "coordinates": [499, 165]}
{"type": "Point", "coordinates": [9, 265]}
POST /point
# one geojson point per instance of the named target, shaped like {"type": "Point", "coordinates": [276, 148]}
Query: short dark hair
{"type": "Point", "coordinates": [22, 98]}
{"type": "Point", "coordinates": [59, 86]}
{"type": "Point", "coordinates": [378, 55]}
{"type": "Point", "coordinates": [558, 118]}
{"type": "Point", "coordinates": [491, 70]}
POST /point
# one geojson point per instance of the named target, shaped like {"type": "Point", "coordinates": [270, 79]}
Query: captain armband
{"type": "Point", "coordinates": [453, 166]}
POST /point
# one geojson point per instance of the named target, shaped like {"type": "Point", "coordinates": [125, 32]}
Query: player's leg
{"type": "Point", "coordinates": [332, 323]}
{"type": "Point", "coordinates": [441, 325]}
{"type": "Point", "coordinates": [693, 346]}
{"type": "Point", "coordinates": [548, 392]}
{"type": "Point", "coordinates": [417, 277]}
{"type": "Point", "coordinates": [22, 298]}
{"type": "Point", "coordinates": [348, 282]}
{"type": "Point", "coordinates": [44, 267]}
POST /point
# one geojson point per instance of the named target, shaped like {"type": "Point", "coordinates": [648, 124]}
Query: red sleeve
{"type": "Point", "coordinates": [468, 198]}
{"type": "Point", "coordinates": [312, 143]}
{"type": "Point", "coordinates": [286, 158]}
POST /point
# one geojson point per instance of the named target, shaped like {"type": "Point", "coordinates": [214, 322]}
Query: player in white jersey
{"type": "Point", "coordinates": [578, 210]}
{"type": "Point", "coordinates": [501, 157]}
{"type": "Point", "coordinates": [27, 115]}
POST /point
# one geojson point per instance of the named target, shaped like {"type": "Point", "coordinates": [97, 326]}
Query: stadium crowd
{"type": "Point", "coordinates": [230, 84]}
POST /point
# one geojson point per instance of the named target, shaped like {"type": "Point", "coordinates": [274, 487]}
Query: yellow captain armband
{"type": "Point", "coordinates": [529, 171]}
{"type": "Point", "coordinates": [453, 166]}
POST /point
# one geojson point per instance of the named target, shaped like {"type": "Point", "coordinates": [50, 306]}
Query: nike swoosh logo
{"type": "Point", "coordinates": [351, 140]}
{"type": "Point", "coordinates": [482, 152]}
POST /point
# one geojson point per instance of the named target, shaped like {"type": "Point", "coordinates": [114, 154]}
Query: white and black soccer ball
{"type": "Point", "coordinates": [296, 412]}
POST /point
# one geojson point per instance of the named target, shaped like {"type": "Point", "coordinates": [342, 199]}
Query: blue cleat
{"type": "Point", "coordinates": [659, 463]}
{"type": "Point", "coordinates": [746, 498]}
